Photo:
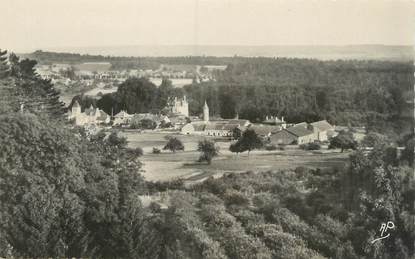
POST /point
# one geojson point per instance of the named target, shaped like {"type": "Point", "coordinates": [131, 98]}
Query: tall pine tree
{"type": "Point", "coordinates": [4, 67]}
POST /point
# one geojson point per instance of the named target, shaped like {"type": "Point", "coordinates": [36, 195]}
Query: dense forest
{"type": "Point", "coordinates": [67, 193]}
{"type": "Point", "coordinates": [356, 93]}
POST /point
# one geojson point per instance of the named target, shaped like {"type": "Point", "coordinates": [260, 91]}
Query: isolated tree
{"type": "Point", "coordinates": [247, 142]}
{"type": "Point", "coordinates": [208, 150]}
{"type": "Point", "coordinates": [174, 144]}
{"type": "Point", "coordinates": [344, 140]}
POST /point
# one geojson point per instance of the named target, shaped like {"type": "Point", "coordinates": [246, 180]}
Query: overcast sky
{"type": "Point", "coordinates": [28, 25]}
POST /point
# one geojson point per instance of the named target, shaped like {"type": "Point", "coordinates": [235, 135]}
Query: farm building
{"type": "Point", "coordinates": [283, 137]}
{"type": "Point", "coordinates": [193, 128]}
{"type": "Point", "coordinates": [322, 129]}
{"type": "Point", "coordinates": [293, 135]}
{"type": "Point", "coordinates": [264, 131]}
{"type": "Point", "coordinates": [220, 129]}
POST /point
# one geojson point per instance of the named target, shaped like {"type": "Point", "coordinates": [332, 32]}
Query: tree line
{"type": "Point", "coordinates": [375, 94]}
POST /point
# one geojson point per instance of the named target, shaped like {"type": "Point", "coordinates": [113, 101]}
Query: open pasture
{"type": "Point", "coordinates": [183, 164]}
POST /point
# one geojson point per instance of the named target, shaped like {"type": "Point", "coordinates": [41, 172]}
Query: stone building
{"type": "Point", "coordinates": [91, 115]}
{"type": "Point", "coordinates": [179, 106]}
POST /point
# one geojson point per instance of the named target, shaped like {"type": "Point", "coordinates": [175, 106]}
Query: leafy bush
{"type": "Point", "coordinates": [344, 140]}
{"type": "Point", "coordinates": [174, 144]}
{"type": "Point", "coordinates": [208, 151]}
{"type": "Point", "coordinates": [143, 124]}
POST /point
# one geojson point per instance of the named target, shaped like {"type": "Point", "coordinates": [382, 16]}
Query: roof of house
{"type": "Point", "coordinates": [199, 126]}
{"type": "Point", "coordinates": [283, 135]}
{"type": "Point", "coordinates": [239, 122]}
{"type": "Point", "coordinates": [299, 131]}
{"type": "Point", "coordinates": [322, 125]}
{"type": "Point", "coordinates": [264, 129]}
{"type": "Point", "coordinates": [301, 124]}
{"type": "Point", "coordinates": [122, 114]}
{"type": "Point", "coordinates": [221, 126]}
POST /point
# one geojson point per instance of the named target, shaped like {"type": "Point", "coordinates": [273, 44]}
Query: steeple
{"type": "Point", "coordinates": [205, 112]}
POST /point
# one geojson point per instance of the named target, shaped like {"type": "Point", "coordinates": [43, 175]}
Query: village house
{"type": "Point", "coordinates": [323, 130]}
{"type": "Point", "coordinates": [122, 118]}
{"type": "Point", "coordinates": [91, 115]}
{"type": "Point", "coordinates": [194, 128]}
{"type": "Point", "coordinates": [220, 129]}
{"type": "Point", "coordinates": [293, 135]}
{"type": "Point", "coordinates": [264, 131]}
{"type": "Point", "coordinates": [271, 120]}
{"type": "Point", "coordinates": [178, 107]}
{"type": "Point", "coordinates": [303, 133]}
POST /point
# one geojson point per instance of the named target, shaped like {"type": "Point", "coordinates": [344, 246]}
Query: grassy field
{"type": "Point", "coordinates": [182, 164]}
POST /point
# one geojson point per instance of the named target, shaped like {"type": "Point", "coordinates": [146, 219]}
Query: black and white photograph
{"type": "Point", "coordinates": [207, 129]}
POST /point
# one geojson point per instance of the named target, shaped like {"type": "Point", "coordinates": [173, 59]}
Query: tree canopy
{"type": "Point", "coordinates": [247, 142]}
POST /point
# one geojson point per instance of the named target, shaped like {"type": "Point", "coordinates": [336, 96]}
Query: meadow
{"type": "Point", "coordinates": [183, 164]}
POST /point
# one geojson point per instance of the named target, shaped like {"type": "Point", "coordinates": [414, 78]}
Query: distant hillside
{"type": "Point", "coordinates": [378, 52]}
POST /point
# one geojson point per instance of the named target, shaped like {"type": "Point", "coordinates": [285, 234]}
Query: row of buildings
{"type": "Point", "coordinates": [274, 129]}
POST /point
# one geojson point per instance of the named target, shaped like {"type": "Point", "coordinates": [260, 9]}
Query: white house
{"type": "Point", "coordinates": [122, 118]}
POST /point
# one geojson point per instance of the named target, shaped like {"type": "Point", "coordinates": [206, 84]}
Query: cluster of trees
{"type": "Point", "coordinates": [248, 141]}
{"type": "Point", "coordinates": [66, 196]}
{"type": "Point", "coordinates": [142, 124]}
{"type": "Point", "coordinates": [135, 95]}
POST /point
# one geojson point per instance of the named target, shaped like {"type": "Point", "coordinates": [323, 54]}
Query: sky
{"type": "Point", "coordinates": [28, 25]}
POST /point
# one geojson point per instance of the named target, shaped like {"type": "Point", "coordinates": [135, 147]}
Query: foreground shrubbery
{"type": "Point", "coordinates": [62, 195]}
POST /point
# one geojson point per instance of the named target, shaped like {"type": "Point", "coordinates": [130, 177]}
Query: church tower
{"type": "Point", "coordinates": [205, 113]}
